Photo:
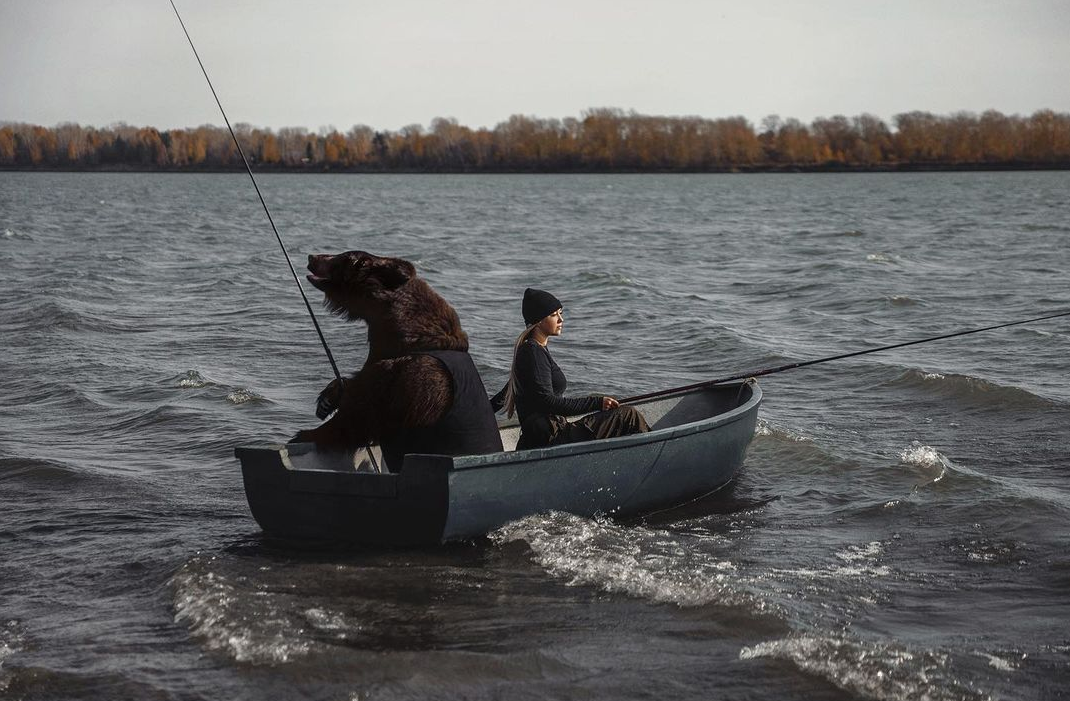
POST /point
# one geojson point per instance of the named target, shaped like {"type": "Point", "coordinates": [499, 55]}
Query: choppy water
{"type": "Point", "coordinates": [900, 530]}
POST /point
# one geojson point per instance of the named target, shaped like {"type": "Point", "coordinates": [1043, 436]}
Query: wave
{"type": "Point", "coordinates": [882, 258]}
{"type": "Point", "coordinates": [62, 314]}
{"type": "Point", "coordinates": [259, 629]}
{"type": "Point", "coordinates": [690, 571]}
{"type": "Point", "coordinates": [1045, 227]}
{"type": "Point", "coordinates": [764, 428]}
{"type": "Point", "coordinates": [10, 234]}
{"type": "Point", "coordinates": [1020, 490]}
{"type": "Point", "coordinates": [853, 564]}
{"type": "Point", "coordinates": [923, 456]}
{"type": "Point", "coordinates": [631, 560]}
{"type": "Point", "coordinates": [600, 279]}
{"type": "Point", "coordinates": [882, 671]}
{"type": "Point", "coordinates": [970, 389]}
{"type": "Point", "coordinates": [191, 379]}
{"type": "Point", "coordinates": [38, 469]}
{"type": "Point", "coordinates": [902, 301]}
{"type": "Point", "coordinates": [846, 233]}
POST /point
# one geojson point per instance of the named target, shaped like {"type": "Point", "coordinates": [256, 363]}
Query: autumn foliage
{"type": "Point", "coordinates": [601, 140]}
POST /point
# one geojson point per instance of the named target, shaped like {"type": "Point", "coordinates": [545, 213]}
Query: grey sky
{"type": "Point", "coordinates": [316, 63]}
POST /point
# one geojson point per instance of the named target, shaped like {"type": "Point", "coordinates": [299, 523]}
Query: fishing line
{"type": "Point", "coordinates": [248, 169]}
{"type": "Point", "coordinates": [805, 363]}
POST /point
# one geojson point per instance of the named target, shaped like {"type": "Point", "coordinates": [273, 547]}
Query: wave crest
{"type": "Point", "coordinates": [764, 428]}
{"type": "Point", "coordinates": [219, 613]}
{"type": "Point", "coordinates": [879, 671]}
{"type": "Point", "coordinates": [630, 560]}
{"type": "Point", "coordinates": [972, 389]}
{"type": "Point", "coordinates": [191, 379]}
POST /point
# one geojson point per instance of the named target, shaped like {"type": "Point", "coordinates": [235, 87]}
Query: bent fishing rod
{"type": "Point", "coordinates": [805, 363]}
{"type": "Point", "coordinates": [248, 169]}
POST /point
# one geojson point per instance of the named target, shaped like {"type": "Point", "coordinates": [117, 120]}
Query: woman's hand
{"type": "Point", "coordinates": [609, 403]}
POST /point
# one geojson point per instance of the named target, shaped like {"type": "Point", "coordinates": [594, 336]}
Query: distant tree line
{"type": "Point", "coordinates": [600, 140]}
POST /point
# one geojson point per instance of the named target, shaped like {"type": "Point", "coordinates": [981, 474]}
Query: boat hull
{"type": "Point", "coordinates": [697, 446]}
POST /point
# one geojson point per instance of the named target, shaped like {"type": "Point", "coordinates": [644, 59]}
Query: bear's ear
{"type": "Point", "coordinates": [392, 273]}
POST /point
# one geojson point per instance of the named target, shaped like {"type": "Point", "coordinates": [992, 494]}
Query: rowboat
{"type": "Point", "coordinates": [696, 445]}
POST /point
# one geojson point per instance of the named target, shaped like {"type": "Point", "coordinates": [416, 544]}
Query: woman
{"type": "Point", "coordinates": [536, 387]}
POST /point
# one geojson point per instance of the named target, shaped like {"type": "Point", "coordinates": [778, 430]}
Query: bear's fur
{"type": "Point", "coordinates": [395, 388]}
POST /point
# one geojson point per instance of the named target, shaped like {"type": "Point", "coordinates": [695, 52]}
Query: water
{"type": "Point", "coordinates": [899, 531]}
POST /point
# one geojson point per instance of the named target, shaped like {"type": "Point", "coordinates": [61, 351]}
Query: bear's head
{"type": "Point", "coordinates": [358, 284]}
{"type": "Point", "coordinates": [402, 311]}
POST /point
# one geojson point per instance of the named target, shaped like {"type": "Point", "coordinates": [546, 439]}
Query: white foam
{"type": "Point", "coordinates": [247, 628]}
{"type": "Point", "coordinates": [764, 428]}
{"type": "Point", "coordinates": [881, 258]}
{"type": "Point", "coordinates": [326, 620]}
{"type": "Point", "coordinates": [923, 456]}
{"type": "Point", "coordinates": [854, 553]}
{"type": "Point", "coordinates": [241, 396]}
{"type": "Point", "coordinates": [633, 561]}
{"type": "Point", "coordinates": [878, 671]}
{"type": "Point", "coordinates": [10, 643]}
{"type": "Point", "coordinates": [998, 662]}
{"type": "Point", "coordinates": [192, 379]}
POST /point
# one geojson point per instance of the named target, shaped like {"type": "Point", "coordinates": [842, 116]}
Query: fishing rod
{"type": "Point", "coordinates": [248, 169]}
{"type": "Point", "coordinates": [805, 363]}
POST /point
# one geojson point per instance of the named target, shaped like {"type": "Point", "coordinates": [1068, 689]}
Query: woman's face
{"type": "Point", "coordinates": [551, 325]}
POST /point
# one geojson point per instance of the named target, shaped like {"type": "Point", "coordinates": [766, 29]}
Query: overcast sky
{"type": "Point", "coordinates": [387, 64]}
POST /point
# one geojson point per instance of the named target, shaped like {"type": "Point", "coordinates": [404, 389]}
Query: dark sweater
{"type": "Point", "coordinates": [541, 386]}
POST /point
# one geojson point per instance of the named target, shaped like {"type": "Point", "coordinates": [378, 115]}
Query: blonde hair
{"type": "Point", "coordinates": [513, 388]}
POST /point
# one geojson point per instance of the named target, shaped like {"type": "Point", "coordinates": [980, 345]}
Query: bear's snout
{"type": "Point", "coordinates": [319, 268]}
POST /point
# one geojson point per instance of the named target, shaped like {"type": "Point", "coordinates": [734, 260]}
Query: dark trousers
{"type": "Point", "coordinates": [541, 430]}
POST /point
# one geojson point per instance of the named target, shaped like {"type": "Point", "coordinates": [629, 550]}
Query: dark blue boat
{"type": "Point", "coordinates": [696, 446]}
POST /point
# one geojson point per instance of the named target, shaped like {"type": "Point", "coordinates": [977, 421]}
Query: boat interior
{"type": "Point", "coordinates": [660, 413]}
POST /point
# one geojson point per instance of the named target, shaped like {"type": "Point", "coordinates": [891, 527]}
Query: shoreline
{"type": "Point", "coordinates": [736, 170]}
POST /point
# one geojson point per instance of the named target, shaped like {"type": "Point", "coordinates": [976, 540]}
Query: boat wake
{"type": "Point", "coordinates": [635, 561]}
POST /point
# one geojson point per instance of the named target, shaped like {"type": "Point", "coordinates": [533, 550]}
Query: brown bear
{"type": "Point", "coordinates": [418, 391]}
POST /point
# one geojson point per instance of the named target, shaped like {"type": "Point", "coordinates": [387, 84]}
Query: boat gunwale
{"type": "Point", "coordinates": [469, 462]}
{"type": "Point", "coordinates": [461, 463]}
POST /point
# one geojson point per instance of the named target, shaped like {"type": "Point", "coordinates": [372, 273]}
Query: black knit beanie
{"type": "Point", "coordinates": [538, 305]}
